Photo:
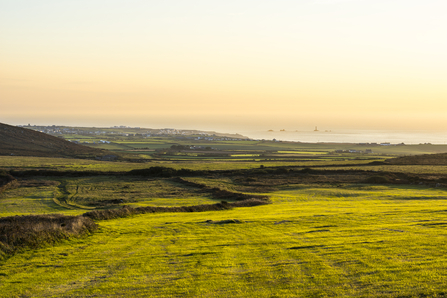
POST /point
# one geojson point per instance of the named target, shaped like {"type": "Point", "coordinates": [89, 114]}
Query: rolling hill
{"type": "Point", "coordinates": [25, 142]}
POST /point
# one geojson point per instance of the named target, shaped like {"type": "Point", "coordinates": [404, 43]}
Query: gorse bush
{"type": "Point", "coordinates": [7, 181]}
{"type": "Point", "coordinates": [33, 231]}
{"type": "Point", "coordinates": [377, 179]}
{"type": "Point", "coordinates": [163, 172]}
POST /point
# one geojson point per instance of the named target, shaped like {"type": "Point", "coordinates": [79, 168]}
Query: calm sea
{"type": "Point", "coordinates": [359, 136]}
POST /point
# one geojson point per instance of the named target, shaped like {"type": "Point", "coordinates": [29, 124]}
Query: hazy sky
{"type": "Point", "coordinates": [225, 65]}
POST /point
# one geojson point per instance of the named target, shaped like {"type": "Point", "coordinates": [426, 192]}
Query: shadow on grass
{"type": "Point", "coordinates": [306, 246]}
{"type": "Point", "coordinates": [129, 211]}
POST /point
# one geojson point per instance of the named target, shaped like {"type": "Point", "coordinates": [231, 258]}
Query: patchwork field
{"type": "Point", "coordinates": [67, 164]}
{"type": "Point", "coordinates": [290, 220]}
{"type": "Point", "coordinates": [355, 240]}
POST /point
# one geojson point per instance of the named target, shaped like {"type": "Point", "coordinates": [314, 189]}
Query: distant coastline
{"type": "Point", "coordinates": [352, 136]}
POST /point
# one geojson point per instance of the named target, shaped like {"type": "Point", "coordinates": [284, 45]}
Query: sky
{"type": "Point", "coordinates": [225, 65]}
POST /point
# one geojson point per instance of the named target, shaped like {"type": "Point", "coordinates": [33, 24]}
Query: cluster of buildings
{"type": "Point", "coordinates": [367, 151]}
{"type": "Point", "coordinates": [60, 130]}
{"type": "Point", "coordinates": [170, 131]}
{"type": "Point", "coordinates": [219, 139]}
{"type": "Point", "coordinates": [201, 148]}
{"type": "Point", "coordinates": [381, 144]}
{"type": "Point", "coordinates": [120, 131]}
{"type": "Point", "coordinates": [86, 142]}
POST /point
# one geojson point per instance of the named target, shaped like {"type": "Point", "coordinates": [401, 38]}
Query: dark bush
{"type": "Point", "coordinates": [282, 171]}
{"type": "Point", "coordinates": [33, 231]}
{"type": "Point", "coordinates": [177, 147]}
{"type": "Point", "coordinates": [5, 178]}
{"type": "Point", "coordinates": [7, 181]}
{"type": "Point", "coordinates": [160, 172]}
{"type": "Point", "coordinates": [377, 179]}
{"type": "Point", "coordinates": [306, 170]}
{"type": "Point", "coordinates": [261, 171]}
{"type": "Point", "coordinates": [226, 221]}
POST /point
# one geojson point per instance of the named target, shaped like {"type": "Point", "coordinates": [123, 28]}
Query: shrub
{"type": "Point", "coordinates": [155, 171]}
{"type": "Point", "coordinates": [7, 181]}
{"type": "Point", "coordinates": [306, 170]}
{"type": "Point", "coordinates": [33, 231]}
{"type": "Point", "coordinates": [377, 179]}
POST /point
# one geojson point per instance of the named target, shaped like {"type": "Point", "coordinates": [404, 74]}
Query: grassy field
{"type": "Point", "coordinates": [414, 169]}
{"type": "Point", "coordinates": [152, 143]}
{"type": "Point", "coordinates": [66, 164]}
{"type": "Point", "coordinates": [319, 237]}
{"type": "Point", "coordinates": [355, 241]}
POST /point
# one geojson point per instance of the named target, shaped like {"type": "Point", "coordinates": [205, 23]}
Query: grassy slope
{"type": "Point", "coordinates": [357, 241]}
{"type": "Point", "coordinates": [26, 142]}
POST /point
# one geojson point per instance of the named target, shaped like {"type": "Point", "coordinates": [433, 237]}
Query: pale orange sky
{"type": "Point", "coordinates": [225, 64]}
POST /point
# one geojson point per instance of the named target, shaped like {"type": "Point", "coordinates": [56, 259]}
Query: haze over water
{"type": "Point", "coordinates": [220, 65]}
{"type": "Point", "coordinates": [353, 136]}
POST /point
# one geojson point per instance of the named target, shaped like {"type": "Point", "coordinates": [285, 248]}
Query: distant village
{"type": "Point", "coordinates": [127, 131]}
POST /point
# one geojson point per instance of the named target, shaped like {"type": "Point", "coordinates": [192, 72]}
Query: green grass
{"type": "Point", "coordinates": [356, 240]}
{"type": "Point", "coordinates": [414, 169]}
{"type": "Point", "coordinates": [25, 162]}
{"type": "Point", "coordinates": [78, 195]}
{"type": "Point", "coordinates": [29, 201]}
{"type": "Point", "coordinates": [304, 152]}
{"type": "Point", "coordinates": [120, 143]}
{"type": "Point", "coordinates": [313, 241]}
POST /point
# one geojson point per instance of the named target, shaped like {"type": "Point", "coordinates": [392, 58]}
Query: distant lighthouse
{"type": "Point", "coordinates": [315, 129]}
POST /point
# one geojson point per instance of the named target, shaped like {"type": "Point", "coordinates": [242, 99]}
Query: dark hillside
{"type": "Point", "coordinates": [25, 142]}
{"type": "Point", "coordinates": [426, 159]}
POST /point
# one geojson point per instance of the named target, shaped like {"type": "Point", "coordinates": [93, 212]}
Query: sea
{"type": "Point", "coordinates": [352, 136]}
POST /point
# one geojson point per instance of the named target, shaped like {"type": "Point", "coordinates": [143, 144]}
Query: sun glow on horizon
{"type": "Point", "coordinates": [360, 64]}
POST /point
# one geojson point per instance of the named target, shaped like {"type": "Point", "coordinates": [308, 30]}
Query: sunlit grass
{"type": "Point", "coordinates": [354, 241]}
{"type": "Point", "coordinates": [67, 164]}
{"type": "Point", "coordinates": [414, 169]}
{"type": "Point", "coordinates": [304, 152]}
